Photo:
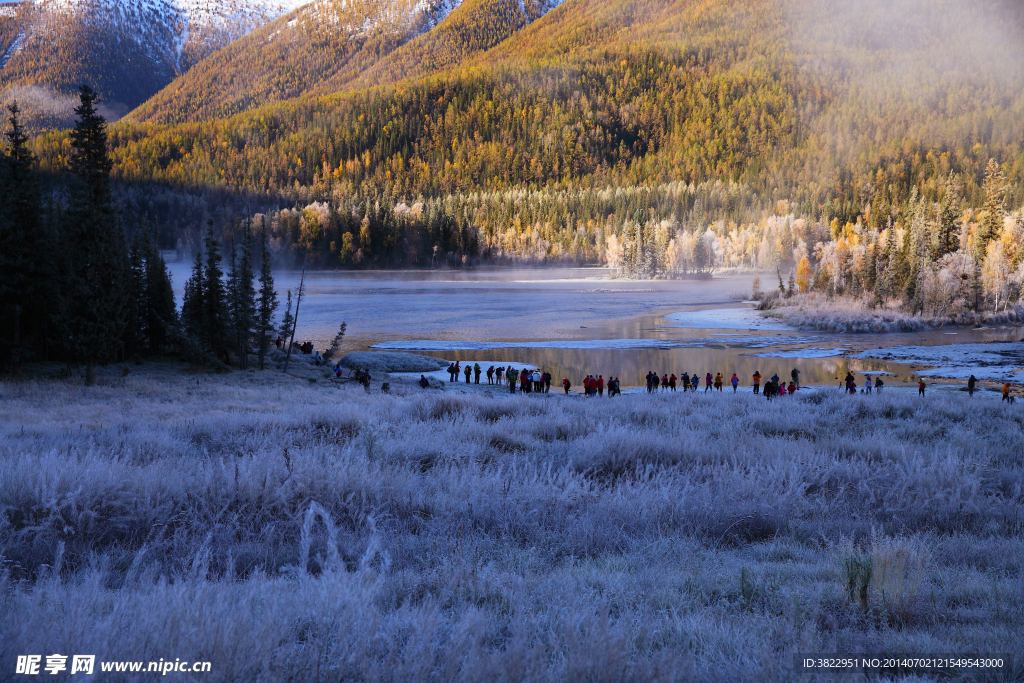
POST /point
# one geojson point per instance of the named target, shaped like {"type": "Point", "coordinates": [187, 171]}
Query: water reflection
{"type": "Point", "coordinates": [570, 304]}
{"type": "Point", "coordinates": [723, 351]}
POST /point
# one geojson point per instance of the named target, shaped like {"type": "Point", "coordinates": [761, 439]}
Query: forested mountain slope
{"type": "Point", "coordinates": [801, 99]}
{"type": "Point", "coordinates": [337, 45]}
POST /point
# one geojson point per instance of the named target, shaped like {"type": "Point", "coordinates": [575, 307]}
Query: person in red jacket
{"type": "Point", "coordinates": [566, 385]}
{"type": "Point", "coordinates": [600, 385]}
{"type": "Point", "coordinates": [672, 381]}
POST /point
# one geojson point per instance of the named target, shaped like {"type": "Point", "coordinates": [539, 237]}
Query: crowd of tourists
{"type": "Point", "coordinates": [850, 384]}
{"type": "Point", "coordinates": [595, 386]}
{"type": "Point", "coordinates": [526, 380]}
{"type": "Point", "coordinates": [532, 380]}
{"type": "Point", "coordinates": [717, 382]}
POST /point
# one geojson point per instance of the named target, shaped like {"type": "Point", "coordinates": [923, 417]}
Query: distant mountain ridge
{"type": "Point", "coordinates": [127, 49]}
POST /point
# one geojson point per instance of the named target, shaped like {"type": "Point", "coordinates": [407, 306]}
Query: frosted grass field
{"type": "Point", "coordinates": [288, 531]}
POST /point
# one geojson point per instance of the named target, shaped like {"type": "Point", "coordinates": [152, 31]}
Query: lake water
{"type": "Point", "coordinates": [575, 321]}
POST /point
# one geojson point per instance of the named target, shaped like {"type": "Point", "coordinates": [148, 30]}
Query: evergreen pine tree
{"type": "Point", "coordinates": [243, 298]}
{"type": "Point", "coordinates": [135, 304]}
{"type": "Point", "coordinates": [917, 253]}
{"type": "Point", "coordinates": [28, 284]}
{"type": "Point", "coordinates": [902, 256]}
{"type": "Point", "coordinates": [193, 306]}
{"type": "Point", "coordinates": [791, 286]}
{"type": "Point", "coordinates": [948, 220]}
{"type": "Point", "coordinates": [159, 312]}
{"type": "Point", "coordinates": [97, 295]}
{"type": "Point", "coordinates": [977, 288]}
{"type": "Point", "coordinates": [650, 250]}
{"type": "Point", "coordinates": [215, 314]}
{"type": "Point", "coordinates": [267, 299]}
{"type": "Point", "coordinates": [885, 279]}
{"type": "Point", "coordinates": [992, 219]}
{"type": "Point", "coordinates": [871, 267]}
{"type": "Point", "coordinates": [232, 291]}
{"type": "Point", "coordinates": [288, 319]}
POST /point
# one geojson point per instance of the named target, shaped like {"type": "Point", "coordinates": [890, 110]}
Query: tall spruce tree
{"type": "Point", "coordinates": [267, 304]}
{"type": "Point", "coordinates": [215, 314]}
{"type": "Point", "coordinates": [995, 210]}
{"type": "Point", "coordinates": [871, 267]}
{"type": "Point", "coordinates": [950, 208]}
{"type": "Point", "coordinates": [243, 298]}
{"type": "Point", "coordinates": [288, 319]}
{"type": "Point", "coordinates": [28, 284]}
{"type": "Point", "coordinates": [231, 294]}
{"type": "Point", "coordinates": [193, 306]}
{"type": "Point", "coordinates": [97, 296]}
{"type": "Point", "coordinates": [159, 311]}
{"type": "Point", "coordinates": [135, 286]}
{"type": "Point", "coordinates": [918, 253]}
{"type": "Point", "coordinates": [885, 267]}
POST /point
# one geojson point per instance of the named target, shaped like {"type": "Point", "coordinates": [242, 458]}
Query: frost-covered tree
{"type": "Point", "coordinates": [804, 273]}
{"type": "Point", "coordinates": [995, 275]}
{"type": "Point", "coordinates": [613, 252]}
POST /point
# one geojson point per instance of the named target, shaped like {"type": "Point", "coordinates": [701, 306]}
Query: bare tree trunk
{"type": "Point", "coordinates": [90, 372]}
{"type": "Point", "coordinates": [295, 320]}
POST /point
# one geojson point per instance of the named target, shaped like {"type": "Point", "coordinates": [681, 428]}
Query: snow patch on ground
{"type": "Point", "coordinates": [992, 374]}
{"type": "Point", "coordinates": [431, 345]}
{"type": "Point", "coordinates": [14, 47]}
{"type": "Point", "coordinates": [992, 361]}
{"type": "Point", "coordinates": [800, 353]}
{"type": "Point", "coordinates": [392, 362]}
{"type": "Point", "coordinates": [727, 319]}
{"type": "Point", "coordinates": [466, 345]}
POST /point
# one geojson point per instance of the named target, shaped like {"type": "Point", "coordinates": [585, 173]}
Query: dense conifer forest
{"type": "Point", "coordinates": [75, 290]}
